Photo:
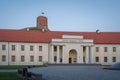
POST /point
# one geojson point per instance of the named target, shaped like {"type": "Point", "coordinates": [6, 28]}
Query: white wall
{"type": "Point", "coordinates": [45, 53]}
{"type": "Point", "coordinates": [27, 53]}
{"type": "Point", "coordinates": [110, 54]}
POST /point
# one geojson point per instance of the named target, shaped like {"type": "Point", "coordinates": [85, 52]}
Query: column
{"type": "Point", "coordinates": [58, 55]}
{"type": "Point", "coordinates": [78, 57]}
{"type": "Point", "coordinates": [81, 54]}
{"type": "Point", "coordinates": [92, 55]}
{"type": "Point", "coordinates": [51, 54]}
{"type": "Point", "coordinates": [87, 54]}
{"type": "Point", "coordinates": [63, 57]}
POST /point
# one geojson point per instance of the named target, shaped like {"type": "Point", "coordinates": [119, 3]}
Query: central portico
{"type": "Point", "coordinates": [71, 49]}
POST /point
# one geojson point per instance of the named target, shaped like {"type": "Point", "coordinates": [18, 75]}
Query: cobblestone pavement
{"type": "Point", "coordinates": [76, 73]}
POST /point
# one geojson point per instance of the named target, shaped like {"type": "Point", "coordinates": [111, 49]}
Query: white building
{"type": "Point", "coordinates": [34, 46]}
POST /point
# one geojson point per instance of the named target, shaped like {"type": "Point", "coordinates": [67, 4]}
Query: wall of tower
{"type": "Point", "coordinates": [42, 22]}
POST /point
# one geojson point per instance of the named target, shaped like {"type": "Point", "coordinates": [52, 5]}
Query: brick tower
{"type": "Point", "coordinates": [42, 22]}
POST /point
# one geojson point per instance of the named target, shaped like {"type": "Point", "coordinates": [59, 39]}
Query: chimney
{"type": "Point", "coordinates": [42, 22]}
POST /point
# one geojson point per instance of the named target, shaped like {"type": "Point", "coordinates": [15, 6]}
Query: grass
{"type": "Point", "coordinates": [11, 67]}
{"type": "Point", "coordinates": [8, 67]}
{"type": "Point", "coordinates": [11, 76]}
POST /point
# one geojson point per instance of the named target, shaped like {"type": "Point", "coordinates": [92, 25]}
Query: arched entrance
{"type": "Point", "coordinates": [72, 56]}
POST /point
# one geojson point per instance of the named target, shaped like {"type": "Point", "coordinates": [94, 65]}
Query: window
{"type": "Point", "coordinates": [31, 48]}
{"type": "Point", "coordinates": [55, 58]}
{"type": "Point", "coordinates": [40, 58]}
{"type": "Point", "coordinates": [55, 48]}
{"type": "Point", "coordinates": [13, 58]}
{"type": "Point", "coordinates": [40, 48]}
{"type": "Point", "coordinates": [84, 59]}
{"type": "Point", "coordinates": [114, 59]}
{"type": "Point", "coordinates": [3, 47]}
{"type": "Point", "coordinates": [105, 59]}
{"type": "Point", "coordinates": [22, 48]}
{"type": "Point", "coordinates": [60, 59]}
{"type": "Point", "coordinates": [31, 58]}
{"type": "Point", "coordinates": [3, 58]}
{"type": "Point", "coordinates": [97, 59]}
{"type": "Point", "coordinates": [114, 49]}
{"type": "Point", "coordinates": [13, 47]}
{"type": "Point", "coordinates": [97, 49]}
{"type": "Point", "coordinates": [105, 49]}
{"type": "Point", "coordinates": [22, 58]}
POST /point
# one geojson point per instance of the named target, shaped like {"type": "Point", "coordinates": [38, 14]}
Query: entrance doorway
{"type": "Point", "coordinates": [72, 56]}
{"type": "Point", "coordinates": [70, 60]}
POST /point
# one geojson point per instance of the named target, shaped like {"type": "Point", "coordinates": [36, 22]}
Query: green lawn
{"type": "Point", "coordinates": [11, 76]}
{"type": "Point", "coordinates": [8, 67]}
{"type": "Point", "coordinates": [11, 67]}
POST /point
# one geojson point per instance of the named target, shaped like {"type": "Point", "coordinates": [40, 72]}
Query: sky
{"type": "Point", "coordinates": [63, 15]}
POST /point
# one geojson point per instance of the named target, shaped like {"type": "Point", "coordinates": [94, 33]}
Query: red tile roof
{"type": "Point", "coordinates": [36, 36]}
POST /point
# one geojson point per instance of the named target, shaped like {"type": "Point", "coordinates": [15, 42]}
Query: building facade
{"type": "Point", "coordinates": [35, 47]}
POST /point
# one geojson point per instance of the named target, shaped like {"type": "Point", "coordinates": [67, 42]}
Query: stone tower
{"type": "Point", "coordinates": [42, 22]}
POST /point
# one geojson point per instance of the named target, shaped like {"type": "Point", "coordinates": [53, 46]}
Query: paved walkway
{"type": "Point", "coordinates": [76, 73]}
{"type": "Point", "coordinates": [8, 70]}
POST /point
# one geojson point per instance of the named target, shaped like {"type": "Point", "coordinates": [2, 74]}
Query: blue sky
{"type": "Point", "coordinates": [63, 15]}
